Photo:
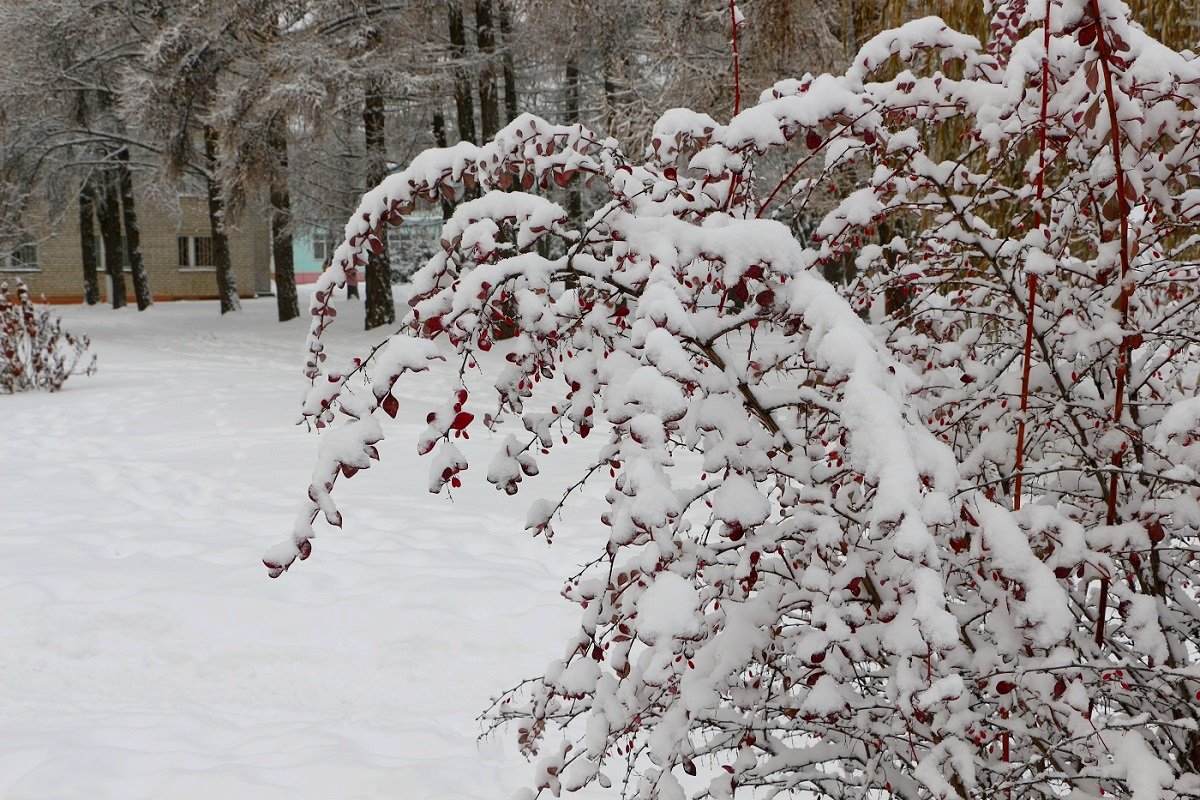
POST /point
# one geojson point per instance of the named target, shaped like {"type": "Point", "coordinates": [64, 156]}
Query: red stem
{"type": "Point", "coordinates": [1102, 48]}
{"type": "Point", "coordinates": [737, 93]}
{"type": "Point", "coordinates": [1033, 281]}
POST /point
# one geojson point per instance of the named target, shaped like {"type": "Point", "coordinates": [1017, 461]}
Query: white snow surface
{"type": "Point", "coordinates": [144, 652]}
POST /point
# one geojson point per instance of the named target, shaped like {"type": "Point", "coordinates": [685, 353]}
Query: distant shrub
{"type": "Point", "coordinates": [35, 351]}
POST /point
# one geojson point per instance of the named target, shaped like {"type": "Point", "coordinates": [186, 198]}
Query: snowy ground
{"type": "Point", "coordinates": [144, 653]}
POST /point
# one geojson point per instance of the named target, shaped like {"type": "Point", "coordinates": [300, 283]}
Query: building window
{"type": "Point", "coordinates": [323, 246]}
{"type": "Point", "coordinates": [195, 252]}
{"type": "Point", "coordinates": [23, 258]}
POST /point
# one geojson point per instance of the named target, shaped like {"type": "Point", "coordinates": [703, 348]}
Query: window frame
{"type": "Point", "coordinates": [190, 243]}
{"type": "Point", "coordinates": [11, 262]}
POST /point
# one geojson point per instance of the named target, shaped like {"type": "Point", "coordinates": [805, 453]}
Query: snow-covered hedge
{"type": "Point", "coordinates": [936, 531]}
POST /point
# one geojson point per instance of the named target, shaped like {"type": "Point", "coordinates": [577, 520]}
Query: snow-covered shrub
{"type": "Point", "coordinates": [35, 351]}
{"type": "Point", "coordinates": [929, 534]}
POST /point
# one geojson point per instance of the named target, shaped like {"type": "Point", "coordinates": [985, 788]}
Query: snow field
{"type": "Point", "coordinates": [144, 653]}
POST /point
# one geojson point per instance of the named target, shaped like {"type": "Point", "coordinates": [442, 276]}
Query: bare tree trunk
{"type": "Point", "coordinates": [286, 300]}
{"type": "Point", "coordinates": [110, 233]}
{"type": "Point", "coordinates": [439, 138]}
{"type": "Point", "coordinates": [509, 71]}
{"type": "Point", "coordinates": [87, 242]}
{"type": "Point", "coordinates": [463, 100]}
{"type": "Point", "coordinates": [226, 282]}
{"type": "Point", "coordinates": [133, 234]}
{"type": "Point", "coordinates": [489, 98]}
{"type": "Point", "coordinates": [571, 79]}
{"type": "Point", "coordinates": [380, 307]}
{"type": "Point", "coordinates": [610, 97]}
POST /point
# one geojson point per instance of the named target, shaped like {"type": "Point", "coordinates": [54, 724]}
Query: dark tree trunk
{"type": "Point", "coordinates": [439, 138]}
{"type": "Point", "coordinates": [509, 71]}
{"type": "Point", "coordinates": [616, 88]}
{"type": "Point", "coordinates": [87, 242]}
{"type": "Point", "coordinates": [380, 308]}
{"type": "Point", "coordinates": [110, 233]}
{"type": "Point", "coordinates": [133, 234]}
{"type": "Point", "coordinates": [226, 283]}
{"type": "Point", "coordinates": [464, 103]}
{"type": "Point", "coordinates": [574, 201]}
{"type": "Point", "coordinates": [281, 228]}
{"type": "Point", "coordinates": [610, 100]}
{"type": "Point", "coordinates": [489, 98]}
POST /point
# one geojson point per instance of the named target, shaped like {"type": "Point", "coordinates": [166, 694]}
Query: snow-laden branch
{"type": "Point", "coordinates": [822, 572]}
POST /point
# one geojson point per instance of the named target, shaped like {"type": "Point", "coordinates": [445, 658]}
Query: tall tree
{"type": "Point", "coordinates": [571, 117]}
{"type": "Point", "coordinates": [270, 88]}
{"type": "Point", "coordinates": [287, 302]}
{"type": "Point", "coordinates": [226, 280]}
{"type": "Point", "coordinates": [70, 60]}
{"type": "Point", "coordinates": [380, 307]}
{"type": "Point", "coordinates": [173, 95]}
{"type": "Point", "coordinates": [464, 102]}
{"type": "Point", "coordinates": [489, 96]}
{"type": "Point", "coordinates": [111, 236]}
{"type": "Point", "coordinates": [87, 241]}
{"type": "Point", "coordinates": [508, 61]}
{"type": "Point", "coordinates": [133, 233]}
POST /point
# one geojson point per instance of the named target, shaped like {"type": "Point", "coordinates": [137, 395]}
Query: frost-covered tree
{"type": "Point", "coordinates": [189, 51]}
{"type": "Point", "coordinates": [930, 533]}
{"type": "Point", "coordinates": [61, 79]}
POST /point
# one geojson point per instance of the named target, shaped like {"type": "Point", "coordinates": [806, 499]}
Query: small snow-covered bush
{"type": "Point", "coordinates": [35, 351]}
{"type": "Point", "coordinates": [928, 534]}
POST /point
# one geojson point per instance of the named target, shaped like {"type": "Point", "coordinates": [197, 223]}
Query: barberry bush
{"type": "Point", "coordinates": [35, 351]}
{"type": "Point", "coordinates": [927, 533]}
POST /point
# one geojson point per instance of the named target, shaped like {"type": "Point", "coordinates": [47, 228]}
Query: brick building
{"type": "Point", "coordinates": [176, 247]}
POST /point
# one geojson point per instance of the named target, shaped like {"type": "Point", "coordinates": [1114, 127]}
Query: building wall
{"type": "Point", "coordinates": [59, 276]}
{"type": "Point", "coordinates": [306, 265]}
{"type": "Point", "coordinates": [409, 246]}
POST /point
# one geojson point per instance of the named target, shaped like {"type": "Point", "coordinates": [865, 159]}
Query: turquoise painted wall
{"type": "Point", "coordinates": [409, 245]}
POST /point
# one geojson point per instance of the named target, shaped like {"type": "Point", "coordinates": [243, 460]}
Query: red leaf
{"type": "Point", "coordinates": [390, 405]}
{"type": "Point", "coordinates": [461, 420]}
{"type": "Point", "coordinates": [433, 326]}
{"type": "Point", "coordinates": [813, 140]}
